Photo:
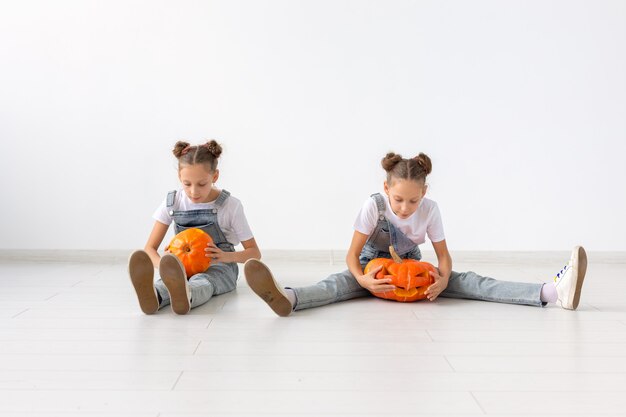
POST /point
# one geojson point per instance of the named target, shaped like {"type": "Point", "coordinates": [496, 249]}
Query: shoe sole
{"type": "Point", "coordinates": [261, 281]}
{"type": "Point", "coordinates": [580, 269]}
{"type": "Point", "coordinates": [141, 271]}
{"type": "Point", "coordinates": [173, 275]}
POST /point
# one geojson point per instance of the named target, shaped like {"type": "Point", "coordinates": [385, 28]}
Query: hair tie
{"type": "Point", "coordinates": [184, 151]}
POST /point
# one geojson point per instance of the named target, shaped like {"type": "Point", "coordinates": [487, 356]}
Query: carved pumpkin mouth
{"type": "Point", "coordinates": [401, 292]}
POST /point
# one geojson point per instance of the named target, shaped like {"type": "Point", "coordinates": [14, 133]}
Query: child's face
{"type": "Point", "coordinates": [405, 196]}
{"type": "Point", "coordinates": [197, 182]}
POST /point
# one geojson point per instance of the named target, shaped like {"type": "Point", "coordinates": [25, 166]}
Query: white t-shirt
{"type": "Point", "coordinates": [425, 221]}
{"type": "Point", "coordinates": [230, 216]}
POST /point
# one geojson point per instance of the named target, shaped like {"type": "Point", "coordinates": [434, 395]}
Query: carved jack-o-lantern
{"type": "Point", "coordinates": [411, 277]}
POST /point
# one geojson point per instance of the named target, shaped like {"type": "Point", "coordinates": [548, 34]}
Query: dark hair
{"type": "Point", "coordinates": [416, 168]}
{"type": "Point", "coordinates": [206, 154]}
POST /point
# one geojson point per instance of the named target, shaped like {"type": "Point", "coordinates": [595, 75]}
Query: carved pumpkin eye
{"type": "Point", "coordinates": [189, 246]}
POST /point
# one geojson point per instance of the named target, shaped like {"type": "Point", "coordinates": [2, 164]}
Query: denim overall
{"type": "Point", "coordinates": [343, 286]}
{"type": "Point", "coordinates": [220, 277]}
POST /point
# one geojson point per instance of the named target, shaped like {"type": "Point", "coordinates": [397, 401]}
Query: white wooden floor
{"type": "Point", "coordinates": [74, 342]}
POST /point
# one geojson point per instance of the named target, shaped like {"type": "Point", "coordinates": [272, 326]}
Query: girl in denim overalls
{"type": "Point", "coordinates": [200, 205]}
{"type": "Point", "coordinates": [403, 218]}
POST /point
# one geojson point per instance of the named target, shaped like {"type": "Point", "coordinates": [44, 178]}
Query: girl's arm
{"type": "Point", "coordinates": [154, 241]}
{"type": "Point", "coordinates": [366, 281]}
{"type": "Point", "coordinates": [444, 261]}
{"type": "Point", "coordinates": [250, 250]}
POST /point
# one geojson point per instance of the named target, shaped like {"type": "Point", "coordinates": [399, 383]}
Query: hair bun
{"type": "Point", "coordinates": [424, 161]}
{"type": "Point", "coordinates": [390, 161]}
{"type": "Point", "coordinates": [214, 148]}
{"type": "Point", "coordinates": [179, 147]}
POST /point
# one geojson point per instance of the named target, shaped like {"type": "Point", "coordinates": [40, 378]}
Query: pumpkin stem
{"type": "Point", "coordinates": [394, 255]}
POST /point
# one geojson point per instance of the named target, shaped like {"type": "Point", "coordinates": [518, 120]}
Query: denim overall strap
{"type": "Point", "coordinates": [380, 205]}
{"type": "Point", "coordinates": [221, 241]}
{"type": "Point", "coordinates": [169, 202]}
{"type": "Point", "coordinates": [221, 199]}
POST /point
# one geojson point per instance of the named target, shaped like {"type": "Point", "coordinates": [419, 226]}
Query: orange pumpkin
{"type": "Point", "coordinates": [411, 277]}
{"type": "Point", "coordinates": [189, 246]}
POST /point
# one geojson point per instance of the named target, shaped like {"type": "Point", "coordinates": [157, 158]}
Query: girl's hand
{"type": "Point", "coordinates": [435, 289]}
{"type": "Point", "coordinates": [218, 255]}
{"type": "Point", "coordinates": [370, 283]}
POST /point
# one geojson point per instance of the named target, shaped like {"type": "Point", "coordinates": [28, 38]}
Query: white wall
{"type": "Point", "coordinates": [520, 104]}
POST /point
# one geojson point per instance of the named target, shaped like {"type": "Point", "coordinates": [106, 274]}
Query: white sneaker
{"type": "Point", "coordinates": [569, 281]}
